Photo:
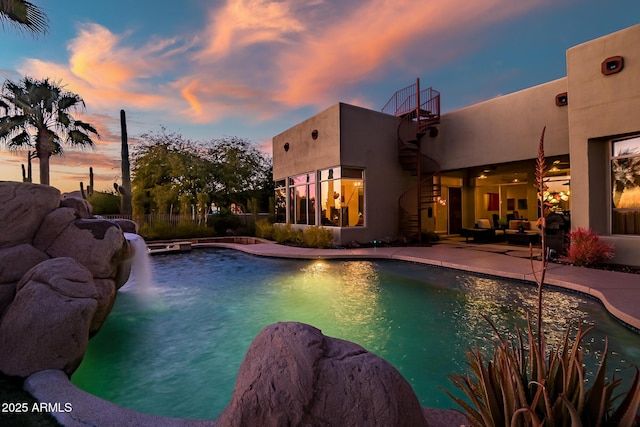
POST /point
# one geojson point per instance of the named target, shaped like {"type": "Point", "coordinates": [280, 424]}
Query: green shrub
{"type": "Point", "coordinates": [317, 237]}
{"type": "Point", "coordinates": [286, 234]}
{"type": "Point", "coordinates": [586, 248]}
{"type": "Point", "coordinates": [264, 229]}
{"type": "Point", "coordinates": [223, 222]}
{"type": "Point", "coordinates": [104, 203]}
{"type": "Point", "coordinates": [160, 230]}
{"type": "Point", "coordinates": [189, 229]}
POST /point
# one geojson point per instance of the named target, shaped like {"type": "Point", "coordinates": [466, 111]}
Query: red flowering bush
{"type": "Point", "coordinates": [586, 248]}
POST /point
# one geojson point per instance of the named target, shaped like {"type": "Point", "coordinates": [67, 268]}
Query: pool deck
{"type": "Point", "coordinates": [618, 292]}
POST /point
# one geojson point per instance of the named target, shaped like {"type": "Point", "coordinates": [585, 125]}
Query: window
{"type": "Point", "coordinates": [625, 180]}
{"type": "Point", "coordinates": [281, 201]}
{"type": "Point", "coordinates": [302, 199]}
{"type": "Point", "coordinates": [342, 197]}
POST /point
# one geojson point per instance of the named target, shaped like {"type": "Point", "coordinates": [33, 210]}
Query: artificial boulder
{"type": "Point", "coordinates": [294, 375]}
{"type": "Point", "coordinates": [106, 297]}
{"type": "Point", "coordinates": [23, 207]}
{"type": "Point", "coordinates": [47, 324]}
{"type": "Point", "coordinates": [52, 227]}
{"type": "Point", "coordinates": [127, 225]}
{"type": "Point", "coordinates": [98, 244]}
{"type": "Point", "coordinates": [81, 206]}
{"type": "Point", "coordinates": [16, 261]}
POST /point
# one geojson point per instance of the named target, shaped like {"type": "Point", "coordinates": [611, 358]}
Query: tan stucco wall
{"type": "Point", "coordinates": [503, 129]}
{"type": "Point", "coordinates": [601, 108]}
{"type": "Point", "coordinates": [306, 154]}
{"type": "Point", "coordinates": [356, 137]}
{"type": "Point", "coordinates": [369, 140]}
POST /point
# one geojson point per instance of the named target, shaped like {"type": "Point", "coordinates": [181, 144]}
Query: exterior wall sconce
{"type": "Point", "coordinates": [612, 65]}
{"type": "Point", "coordinates": [286, 146]}
{"type": "Point", "coordinates": [314, 134]}
{"type": "Point", "coordinates": [562, 99]}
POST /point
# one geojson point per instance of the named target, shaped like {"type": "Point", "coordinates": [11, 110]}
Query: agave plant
{"type": "Point", "coordinates": [524, 384]}
{"type": "Point", "coordinates": [521, 386]}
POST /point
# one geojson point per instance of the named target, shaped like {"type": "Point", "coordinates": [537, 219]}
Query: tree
{"type": "Point", "coordinates": [172, 171]}
{"type": "Point", "coordinates": [42, 108]}
{"type": "Point", "coordinates": [168, 171]}
{"type": "Point", "coordinates": [24, 15]}
{"type": "Point", "coordinates": [241, 172]}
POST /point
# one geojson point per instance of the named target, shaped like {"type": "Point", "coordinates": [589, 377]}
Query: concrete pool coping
{"type": "Point", "coordinates": [618, 292]}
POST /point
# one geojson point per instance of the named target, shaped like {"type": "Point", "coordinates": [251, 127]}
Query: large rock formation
{"type": "Point", "coordinates": [59, 271]}
{"type": "Point", "coordinates": [47, 324]}
{"type": "Point", "coordinates": [294, 375]}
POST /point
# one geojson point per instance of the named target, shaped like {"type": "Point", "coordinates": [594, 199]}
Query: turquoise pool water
{"type": "Point", "coordinates": [174, 349]}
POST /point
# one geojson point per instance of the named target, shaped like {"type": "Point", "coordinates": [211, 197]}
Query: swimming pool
{"type": "Point", "coordinates": [175, 349]}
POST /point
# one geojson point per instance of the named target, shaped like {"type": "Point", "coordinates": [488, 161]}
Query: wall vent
{"type": "Point", "coordinates": [562, 99]}
{"type": "Point", "coordinates": [612, 65]}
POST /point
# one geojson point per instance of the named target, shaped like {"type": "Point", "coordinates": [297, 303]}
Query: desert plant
{"type": "Point", "coordinates": [42, 107]}
{"type": "Point", "coordinates": [125, 188]}
{"type": "Point", "coordinates": [159, 230]}
{"type": "Point", "coordinates": [586, 248]}
{"type": "Point", "coordinates": [104, 203]}
{"type": "Point", "coordinates": [264, 229]}
{"type": "Point", "coordinates": [520, 385]}
{"type": "Point", "coordinates": [524, 383]}
{"type": "Point", "coordinates": [317, 237]}
{"type": "Point", "coordinates": [286, 234]}
{"type": "Point", "coordinates": [189, 229]}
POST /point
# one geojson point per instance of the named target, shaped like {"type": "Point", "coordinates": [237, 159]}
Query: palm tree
{"type": "Point", "coordinates": [24, 15]}
{"type": "Point", "coordinates": [42, 108]}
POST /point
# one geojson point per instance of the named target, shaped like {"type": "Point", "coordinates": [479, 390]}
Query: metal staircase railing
{"type": "Point", "coordinates": [428, 184]}
{"type": "Point", "coordinates": [418, 120]}
{"type": "Point", "coordinates": [403, 103]}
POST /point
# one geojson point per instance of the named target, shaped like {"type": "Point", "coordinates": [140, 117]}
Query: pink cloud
{"type": "Point", "coordinates": [108, 73]}
{"type": "Point", "coordinates": [379, 36]}
{"type": "Point", "coordinates": [245, 22]}
{"type": "Point", "coordinates": [264, 57]}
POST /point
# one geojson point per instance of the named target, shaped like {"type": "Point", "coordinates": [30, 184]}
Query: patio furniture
{"type": "Point", "coordinates": [522, 232]}
{"type": "Point", "coordinates": [482, 233]}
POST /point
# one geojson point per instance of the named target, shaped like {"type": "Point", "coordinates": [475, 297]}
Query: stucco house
{"type": "Point", "coordinates": [356, 170]}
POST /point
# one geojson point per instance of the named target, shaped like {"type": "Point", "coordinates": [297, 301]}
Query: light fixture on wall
{"type": "Point", "coordinates": [286, 146]}
{"type": "Point", "coordinates": [314, 134]}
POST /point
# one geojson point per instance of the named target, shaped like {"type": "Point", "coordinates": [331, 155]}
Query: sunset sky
{"type": "Point", "coordinates": [253, 68]}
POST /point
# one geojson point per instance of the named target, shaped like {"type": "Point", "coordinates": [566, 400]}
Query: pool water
{"type": "Point", "coordinates": [174, 348]}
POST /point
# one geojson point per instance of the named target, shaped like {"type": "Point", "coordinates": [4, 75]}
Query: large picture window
{"type": "Point", "coordinates": [302, 199]}
{"type": "Point", "coordinates": [342, 197]}
{"type": "Point", "coordinates": [625, 180]}
{"type": "Point", "coordinates": [281, 201]}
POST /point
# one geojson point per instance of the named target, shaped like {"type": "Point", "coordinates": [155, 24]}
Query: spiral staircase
{"type": "Point", "coordinates": [420, 113]}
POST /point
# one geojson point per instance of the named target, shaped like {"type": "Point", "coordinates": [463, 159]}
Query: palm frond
{"type": "Point", "coordinates": [24, 15]}
{"type": "Point", "coordinates": [20, 140]}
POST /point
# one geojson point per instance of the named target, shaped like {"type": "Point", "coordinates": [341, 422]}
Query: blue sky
{"type": "Point", "coordinates": [254, 68]}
